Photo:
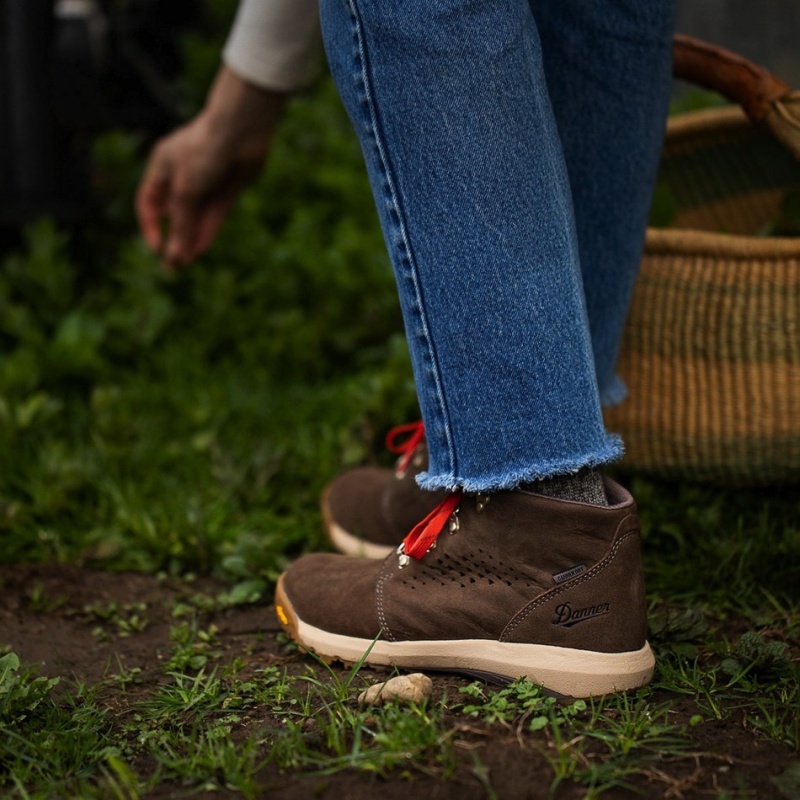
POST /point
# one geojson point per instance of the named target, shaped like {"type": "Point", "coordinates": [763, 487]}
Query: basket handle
{"type": "Point", "coordinates": [765, 98]}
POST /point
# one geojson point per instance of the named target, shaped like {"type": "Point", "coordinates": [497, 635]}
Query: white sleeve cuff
{"type": "Point", "coordinates": [275, 44]}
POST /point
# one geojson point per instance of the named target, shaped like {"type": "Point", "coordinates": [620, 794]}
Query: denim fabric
{"type": "Point", "coordinates": [609, 74]}
{"type": "Point", "coordinates": [450, 101]}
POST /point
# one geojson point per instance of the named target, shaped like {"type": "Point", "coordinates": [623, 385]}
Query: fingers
{"type": "Point", "coordinates": [166, 196]}
{"type": "Point", "coordinates": [210, 222]}
{"type": "Point", "coordinates": [151, 205]}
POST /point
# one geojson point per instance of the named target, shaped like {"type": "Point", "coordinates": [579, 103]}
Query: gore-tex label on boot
{"type": "Point", "coordinates": [570, 573]}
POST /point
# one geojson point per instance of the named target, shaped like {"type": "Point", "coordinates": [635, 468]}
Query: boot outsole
{"type": "Point", "coordinates": [559, 670]}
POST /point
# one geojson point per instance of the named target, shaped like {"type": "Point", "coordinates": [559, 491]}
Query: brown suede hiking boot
{"type": "Point", "coordinates": [515, 585]}
{"type": "Point", "coordinates": [369, 510]}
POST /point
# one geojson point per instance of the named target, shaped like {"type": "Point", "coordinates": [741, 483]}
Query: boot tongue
{"type": "Point", "coordinates": [425, 533]}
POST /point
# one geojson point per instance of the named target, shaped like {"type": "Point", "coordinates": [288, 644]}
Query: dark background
{"type": "Point", "coordinates": [767, 32]}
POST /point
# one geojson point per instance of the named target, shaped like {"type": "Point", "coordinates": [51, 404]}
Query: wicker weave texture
{"type": "Point", "coordinates": [711, 352]}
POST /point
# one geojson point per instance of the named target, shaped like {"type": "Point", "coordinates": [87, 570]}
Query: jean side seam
{"type": "Point", "coordinates": [404, 251]}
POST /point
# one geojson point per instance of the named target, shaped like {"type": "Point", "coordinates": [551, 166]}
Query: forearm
{"type": "Point", "coordinates": [241, 114]}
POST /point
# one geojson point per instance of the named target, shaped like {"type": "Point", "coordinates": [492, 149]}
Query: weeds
{"type": "Point", "coordinates": [778, 717]}
{"type": "Point", "coordinates": [325, 730]}
{"type": "Point", "coordinates": [756, 674]}
{"type": "Point", "coordinates": [42, 603]}
{"type": "Point", "coordinates": [185, 695]}
{"type": "Point", "coordinates": [599, 744]}
{"type": "Point", "coordinates": [192, 647]}
{"type": "Point", "coordinates": [47, 742]}
{"type": "Point", "coordinates": [20, 692]}
{"type": "Point", "coordinates": [632, 724]}
{"type": "Point", "coordinates": [206, 759]}
{"type": "Point", "coordinates": [622, 737]}
{"type": "Point", "coordinates": [764, 662]}
{"type": "Point", "coordinates": [122, 620]}
{"type": "Point", "coordinates": [522, 702]}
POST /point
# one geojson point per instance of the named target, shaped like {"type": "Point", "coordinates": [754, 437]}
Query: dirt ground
{"type": "Point", "coordinates": [43, 619]}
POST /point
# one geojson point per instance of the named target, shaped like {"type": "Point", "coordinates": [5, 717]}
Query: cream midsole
{"type": "Point", "coordinates": [351, 545]}
{"type": "Point", "coordinates": [566, 671]}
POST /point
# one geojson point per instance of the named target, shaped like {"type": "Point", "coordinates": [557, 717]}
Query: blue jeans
{"type": "Point", "coordinates": [512, 147]}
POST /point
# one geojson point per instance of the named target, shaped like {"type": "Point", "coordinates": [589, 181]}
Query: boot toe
{"type": "Point", "coordinates": [331, 592]}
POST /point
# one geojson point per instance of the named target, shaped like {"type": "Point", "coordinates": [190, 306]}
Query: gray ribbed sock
{"type": "Point", "coordinates": [585, 486]}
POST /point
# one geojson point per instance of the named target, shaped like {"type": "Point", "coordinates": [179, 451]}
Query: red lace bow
{"type": "Point", "coordinates": [414, 433]}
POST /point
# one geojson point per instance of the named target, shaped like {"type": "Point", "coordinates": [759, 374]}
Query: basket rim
{"type": "Point", "coordinates": [691, 123]}
{"type": "Point", "coordinates": [688, 241]}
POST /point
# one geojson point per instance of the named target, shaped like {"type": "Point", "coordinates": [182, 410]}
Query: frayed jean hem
{"type": "Point", "coordinates": [611, 451]}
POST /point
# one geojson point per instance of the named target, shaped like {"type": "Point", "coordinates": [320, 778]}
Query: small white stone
{"type": "Point", "coordinates": [404, 688]}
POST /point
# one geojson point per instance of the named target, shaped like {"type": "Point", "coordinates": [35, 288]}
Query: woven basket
{"type": "Point", "coordinates": [711, 351]}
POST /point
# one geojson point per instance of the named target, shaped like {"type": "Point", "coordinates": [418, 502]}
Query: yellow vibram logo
{"type": "Point", "coordinates": [282, 615]}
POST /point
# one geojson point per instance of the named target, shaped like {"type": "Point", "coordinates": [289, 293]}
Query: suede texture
{"type": "Point", "coordinates": [603, 609]}
{"type": "Point", "coordinates": [524, 568]}
{"type": "Point", "coordinates": [335, 593]}
{"type": "Point", "coordinates": [379, 505]}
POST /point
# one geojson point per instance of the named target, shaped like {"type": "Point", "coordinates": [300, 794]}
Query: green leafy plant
{"type": "Point", "coordinates": [193, 647]}
{"type": "Point", "coordinates": [766, 661]}
{"type": "Point", "coordinates": [520, 701]}
{"type": "Point", "coordinates": [20, 692]}
{"type": "Point", "coordinates": [62, 743]}
{"type": "Point", "coordinates": [123, 620]}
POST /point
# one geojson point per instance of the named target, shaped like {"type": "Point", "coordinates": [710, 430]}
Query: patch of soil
{"type": "Point", "coordinates": [46, 617]}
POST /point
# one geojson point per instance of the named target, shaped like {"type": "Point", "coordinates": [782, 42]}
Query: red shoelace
{"type": "Point", "coordinates": [414, 433]}
{"type": "Point", "coordinates": [425, 533]}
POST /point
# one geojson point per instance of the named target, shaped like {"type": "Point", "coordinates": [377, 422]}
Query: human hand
{"type": "Point", "coordinates": [194, 174]}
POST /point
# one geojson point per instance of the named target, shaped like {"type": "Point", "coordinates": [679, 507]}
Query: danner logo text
{"type": "Point", "coordinates": [566, 616]}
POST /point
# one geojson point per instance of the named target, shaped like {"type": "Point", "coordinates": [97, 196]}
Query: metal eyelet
{"type": "Point", "coordinates": [402, 559]}
{"type": "Point", "coordinates": [453, 524]}
{"type": "Point", "coordinates": [481, 501]}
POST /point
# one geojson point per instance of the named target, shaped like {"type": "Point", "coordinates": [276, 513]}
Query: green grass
{"type": "Point", "coordinates": [161, 422]}
{"type": "Point", "coordinates": [186, 424]}
{"type": "Point", "coordinates": [50, 746]}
